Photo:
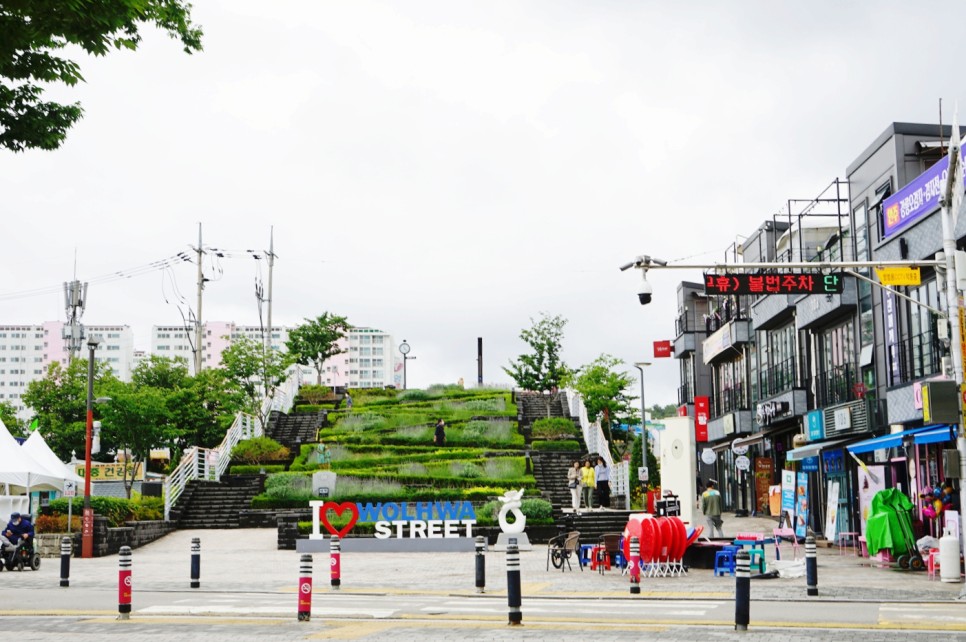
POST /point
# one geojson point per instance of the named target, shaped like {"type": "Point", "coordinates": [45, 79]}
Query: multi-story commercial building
{"type": "Point", "coordinates": [26, 351]}
{"type": "Point", "coordinates": [799, 381]}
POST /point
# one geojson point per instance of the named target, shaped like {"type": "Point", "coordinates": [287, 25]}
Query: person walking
{"type": "Point", "coordinates": [602, 478]}
{"type": "Point", "coordinates": [439, 437]}
{"type": "Point", "coordinates": [711, 507]}
{"type": "Point", "coordinates": [589, 484]}
{"type": "Point", "coordinates": [573, 483]}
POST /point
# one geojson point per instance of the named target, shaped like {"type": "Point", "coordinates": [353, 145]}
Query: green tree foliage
{"type": "Point", "coordinates": [316, 341]}
{"type": "Point", "coordinates": [653, 467]}
{"type": "Point", "coordinates": [59, 403]}
{"type": "Point", "coordinates": [135, 421]}
{"type": "Point", "coordinates": [33, 34]}
{"type": "Point", "coordinates": [8, 415]}
{"type": "Point", "coordinates": [542, 369]}
{"type": "Point", "coordinates": [254, 371]}
{"type": "Point", "coordinates": [602, 387]}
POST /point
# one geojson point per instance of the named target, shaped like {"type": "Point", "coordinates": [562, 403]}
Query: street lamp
{"type": "Point", "coordinates": [640, 365]}
{"type": "Point", "coordinates": [87, 527]}
{"type": "Point", "coordinates": [404, 349]}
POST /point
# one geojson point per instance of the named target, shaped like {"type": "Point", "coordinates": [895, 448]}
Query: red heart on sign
{"type": "Point", "coordinates": [338, 509]}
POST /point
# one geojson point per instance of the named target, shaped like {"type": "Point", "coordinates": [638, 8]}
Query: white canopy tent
{"type": "Point", "coordinates": [20, 472]}
{"type": "Point", "coordinates": [37, 446]}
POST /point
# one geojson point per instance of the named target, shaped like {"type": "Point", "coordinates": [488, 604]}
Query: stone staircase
{"type": "Point", "coordinates": [533, 405]}
{"type": "Point", "coordinates": [594, 524]}
{"type": "Point", "coordinates": [209, 504]}
{"type": "Point", "coordinates": [292, 430]}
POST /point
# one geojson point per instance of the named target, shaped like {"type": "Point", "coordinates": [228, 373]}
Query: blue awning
{"type": "Point", "coordinates": [934, 435]}
{"type": "Point", "coordinates": [894, 440]}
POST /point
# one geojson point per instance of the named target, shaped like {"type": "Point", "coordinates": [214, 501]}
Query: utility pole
{"type": "Point", "coordinates": [271, 265]}
{"type": "Point", "coordinates": [201, 287]}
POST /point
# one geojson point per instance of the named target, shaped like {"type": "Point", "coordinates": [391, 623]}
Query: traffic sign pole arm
{"type": "Point", "coordinates": [908, 298]}
{"type": "Point", "coordinates": [791, 265]}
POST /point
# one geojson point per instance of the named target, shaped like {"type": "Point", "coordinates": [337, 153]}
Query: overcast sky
{"type": "Point", "coordinates": [447, 170]}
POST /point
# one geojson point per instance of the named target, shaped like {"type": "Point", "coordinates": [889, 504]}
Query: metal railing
{"type": "Point", "coordinates": [919, 356]}
{"type": "Point", "coordinates": [728, 400]}
{"type": "Point", "coordinates": [836, 386]}
{"type": "Point", "coordinates": [779, 378]}
{"type": "Point", "coordinates": [685, 395]}
{"type": "Point", "coordinates": [596, 442]}
{"type": "Point", "coordinates": [211, 463]}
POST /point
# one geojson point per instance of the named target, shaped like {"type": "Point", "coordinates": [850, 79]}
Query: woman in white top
{"type": "Point", "coordinates": [573, 482]}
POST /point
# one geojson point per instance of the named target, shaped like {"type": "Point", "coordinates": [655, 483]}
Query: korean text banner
{"type": "Point", "coordinates": [915, 200]}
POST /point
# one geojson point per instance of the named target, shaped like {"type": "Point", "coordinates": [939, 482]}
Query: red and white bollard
{"type": "Point", "coordinates": [305, 588]}
{"type": "Point", "coordinates": [124, 583]}
{"type": "Point", "coordinates": [335, 561]}
{"type": "Point", "coordinates": [635, 566]}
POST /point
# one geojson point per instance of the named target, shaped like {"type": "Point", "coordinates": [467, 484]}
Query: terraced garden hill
{"type": "Point", "coordinates": [383, 451]}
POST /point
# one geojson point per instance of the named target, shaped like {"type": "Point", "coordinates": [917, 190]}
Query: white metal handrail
{"type": "Point", "coordinates": [211, 463]}
{"type": "Point", "coordinates": [596, 442]}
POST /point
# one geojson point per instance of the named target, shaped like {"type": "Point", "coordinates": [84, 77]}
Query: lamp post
{"type": "Point", "coordinates": [404, 349]}
{"type": "Point", "coordinates": [87, 527]}
{"type": "Point", "coordinates": [640, 365]}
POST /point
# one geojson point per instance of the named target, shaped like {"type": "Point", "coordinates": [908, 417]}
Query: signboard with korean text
{"type": "Point", "coordinates": [788, 498]}
{"type": "Point", "coordinates": [809, 465]}
{"type": "Point", "coordinates": [893, 276]}
{"type": "Point", "coordinates": [662, 349]}
{"type": "Point", "coordinates": [788, 283]}
{"type": "Point", "coordinates": [917, 199]}
{"type": "Point", "coordinates": [701, 412]}
{"type": "Point", "coordinates": [111, 472]}
{"type": "Point", "coordinates": [801, 504]}
{"type": "Point", "coordinates": [764, 471]}
{"type": "Point", "coordinates": [815, 421]}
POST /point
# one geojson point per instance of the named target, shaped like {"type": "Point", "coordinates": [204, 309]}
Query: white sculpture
{"type": "Point", "coordinates": [512, 501]}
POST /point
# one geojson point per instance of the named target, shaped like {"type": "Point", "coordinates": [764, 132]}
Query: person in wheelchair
{"type": "Point", "coordinates": [19, 531]}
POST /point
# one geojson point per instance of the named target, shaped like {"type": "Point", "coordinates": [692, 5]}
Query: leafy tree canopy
{"type": "Point", "coordinates": [33, 34]}
{"type": "Point", "coordinates": [8, 415]}
{"type": "Point", "coordinates": [602, 387]}
{"type": "Point", "coordinates": [542, 369]}
{"type": "Point", "coordinates": [316, 341]}
{"type": "Point", "coordinates": [254, 371]}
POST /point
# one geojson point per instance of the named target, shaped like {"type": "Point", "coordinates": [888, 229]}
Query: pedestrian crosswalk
{"type": "Point", "coordinates": [653, 609]}
{"type": "Point", "coordinates": [952, 615]}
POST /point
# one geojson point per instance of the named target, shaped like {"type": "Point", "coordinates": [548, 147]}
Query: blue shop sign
{"type": "Point", "coordinates": [816, 425]}
{"type": "Point", "coordinates": [810, 465]}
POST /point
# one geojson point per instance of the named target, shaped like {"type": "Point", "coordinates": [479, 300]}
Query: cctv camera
{"type": "Point", "coordinates": [644, 292]}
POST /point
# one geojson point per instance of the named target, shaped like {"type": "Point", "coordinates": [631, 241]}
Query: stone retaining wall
{"type": "Point", "coordinates": [107, 540]}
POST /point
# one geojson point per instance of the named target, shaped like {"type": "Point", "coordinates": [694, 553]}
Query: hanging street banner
{"type": "Point", "coordinates": [899, 275]}
{"type": "Point", "coordinates": [788, 283]}
{"type": "Point", "coordinates": [917, 199]}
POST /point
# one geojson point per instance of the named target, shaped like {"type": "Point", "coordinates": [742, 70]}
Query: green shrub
{"type": "Point", "coordinates": [412, 468]}
{"type": "Point", "coordinates": [558, 444]}
{"type": "Point", "coordinates": [245, 469]}
{"type": "Point", "coordinates": [554, 428]}
{"type": "Point", "coordinates": [413, 395]}
{"type": "Point", "coordinates": [313, 394]}
{"type": "Point", "coordinates": [538, 511]}
{"type": "Point", "coordinates": [496, 404]}
{"type": "Point", "coordinates": [115, 509]}
{"type": "Point", "coordinates": [259, 450]}
{"type": "Point", "coordinates": [465, 469]}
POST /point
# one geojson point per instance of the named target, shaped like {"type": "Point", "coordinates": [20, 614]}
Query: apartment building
{"type": "Point", "coordinates": [26, 351]}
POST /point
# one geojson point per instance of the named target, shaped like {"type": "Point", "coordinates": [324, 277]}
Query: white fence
{"type": "Point", "coordinates": [596, 442]}
{"type": "Point", "coordinates": [211, 463]}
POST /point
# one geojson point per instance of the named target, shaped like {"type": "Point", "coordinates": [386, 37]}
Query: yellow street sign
{"type": "Point", "coordinates": [899, 275]}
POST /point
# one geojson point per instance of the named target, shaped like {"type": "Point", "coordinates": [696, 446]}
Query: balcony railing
{"type": "Point", "coordinates": [836, 386]}
{"type": "Point", "coordinates": [919, 356]}
{"type": "Point", "coordinates": [685, 395]}
{"type": "Point", "coordinates": [777, 379]}
{"type": "Point", "coordinates": [729, 399]}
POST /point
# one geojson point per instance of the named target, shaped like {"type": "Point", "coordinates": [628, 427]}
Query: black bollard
{"type": "Point", "coordinates": [513, 582]}
{"type": "Point", "coordinates": [480, 565]}
{"type": "Point", "coordinates": [124, 583]}
{"type": "Point", "coordinates": [65, 549]}
{"type": "Point", "coordinates": [811, 566]}
{"type": "Point", "coordinates": [305, 588]}
{"type": "Point", "coordinates": [742, 590]}
{"type": "Point", "coordinates": [195, 562]}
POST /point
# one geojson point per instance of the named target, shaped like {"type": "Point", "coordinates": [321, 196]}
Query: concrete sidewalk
{"type": "Point", "coordinates": [247, 560]}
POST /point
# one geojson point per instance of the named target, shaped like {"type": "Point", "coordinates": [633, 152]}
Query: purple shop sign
{"type": "Point", "coordinates": [918, 198]}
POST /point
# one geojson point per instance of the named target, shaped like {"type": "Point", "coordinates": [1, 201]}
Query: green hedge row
{"type": "Point", "coordinates": [245, 469]}
{"type": "Point", "coordinates": [556, 444]}
{"type": "Point", "coordinates": [408, 495]}
{"type": "Point", "coordinates": [117, 510]}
